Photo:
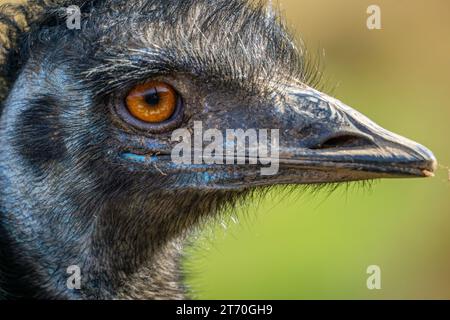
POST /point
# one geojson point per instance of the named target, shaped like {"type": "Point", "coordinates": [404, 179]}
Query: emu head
{"type": "Point", "coordinates": [87, 176]}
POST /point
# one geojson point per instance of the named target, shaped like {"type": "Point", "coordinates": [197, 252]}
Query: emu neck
{"type": "Point", "coordinates": [140, 258]}
{"type": "Point", "coordinates": [122, 252]}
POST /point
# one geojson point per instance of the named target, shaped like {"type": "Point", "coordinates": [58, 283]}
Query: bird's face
{"type": "Point", "coordinates": [318, 139]}
{"type": "Point", "coordinates": [109, 101]}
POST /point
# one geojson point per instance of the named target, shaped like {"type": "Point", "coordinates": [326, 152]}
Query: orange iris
{"type": "Point", "coordinates": [154, 101]}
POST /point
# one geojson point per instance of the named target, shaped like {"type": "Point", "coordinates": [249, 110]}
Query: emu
{"type": "Point", "coordinates": [86, 177]}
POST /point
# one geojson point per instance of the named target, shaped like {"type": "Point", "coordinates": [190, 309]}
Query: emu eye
{"type": "Point", "coordinates": [154, 107]}
{"type": "Point", "coordinates": [152, 102]}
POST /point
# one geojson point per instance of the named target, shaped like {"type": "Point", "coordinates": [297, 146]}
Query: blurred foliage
{"type": "Point", "coordinates": [308, 246]}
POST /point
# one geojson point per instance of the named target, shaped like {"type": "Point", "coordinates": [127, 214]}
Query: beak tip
{"type": "Point", "coordinates": [427, 173]}
{"type": "Point", "coordinates": [431, 163]}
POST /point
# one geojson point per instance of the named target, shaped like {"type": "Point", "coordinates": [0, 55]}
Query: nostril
{"type": "Point", "coordinates": [344, 141]}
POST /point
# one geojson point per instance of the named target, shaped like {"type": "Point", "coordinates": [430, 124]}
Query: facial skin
{"type": "Point", "coordinates": [83, 184]}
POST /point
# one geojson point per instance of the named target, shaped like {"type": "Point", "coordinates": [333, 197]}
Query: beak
{"type": "Point", "coordinates": [342, 144]}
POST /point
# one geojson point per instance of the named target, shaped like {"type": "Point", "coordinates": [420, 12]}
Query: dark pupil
{"type": "Point", "coordinates": [152, 97]}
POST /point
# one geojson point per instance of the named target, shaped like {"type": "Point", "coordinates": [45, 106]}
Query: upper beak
{"type": "Point", "coordinates": [334, 138]}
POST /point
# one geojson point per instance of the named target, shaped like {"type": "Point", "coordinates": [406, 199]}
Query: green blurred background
{"type": "Point", "coordinates": [308, 246]}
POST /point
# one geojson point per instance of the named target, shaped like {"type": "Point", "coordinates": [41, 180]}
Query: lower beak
{"type": "Point", "coordinates": [370, 163]}
{"type": "Point", "coordinates": [348, 146]}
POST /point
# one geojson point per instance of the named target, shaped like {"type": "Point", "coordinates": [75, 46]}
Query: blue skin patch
{"type": "Point", "coordinates": [139, 158]}
{"type": "Point", "coordinates": [201, 177]}
{"type": "Point", "coordinates": [206, 177]}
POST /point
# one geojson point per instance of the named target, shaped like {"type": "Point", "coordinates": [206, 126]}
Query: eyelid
{"type": "Point", "coordinates": [174, 121]}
